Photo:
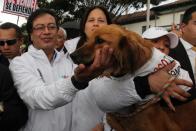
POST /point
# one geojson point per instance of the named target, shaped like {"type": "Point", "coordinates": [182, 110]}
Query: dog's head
{"type": "Point", "coordinates": [130, 50]}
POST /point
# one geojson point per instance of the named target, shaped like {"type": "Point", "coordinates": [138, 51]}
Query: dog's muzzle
{"type": "Point", "coordinates": [79, 58]}
{"type": "Point", "coordinates": [75, 58]}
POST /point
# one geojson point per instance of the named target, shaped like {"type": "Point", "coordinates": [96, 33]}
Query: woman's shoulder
{"type": "Point", "coordinates": [71, 44]}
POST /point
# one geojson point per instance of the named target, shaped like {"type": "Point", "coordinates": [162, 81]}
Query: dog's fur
{"type": "Point", "coordinates": [157, 118]}
{"type": "Point", "coordinates": [130, 50]}
{"type": "Point", "coordinates": [130, 53]}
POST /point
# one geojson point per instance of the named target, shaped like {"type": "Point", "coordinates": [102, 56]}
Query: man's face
{"type": "Point", "coordinates": [10, 44]}
{"type": "Point", "coordinates": [44, 32]}
{"type": "Point", "coordinates": [189, 30]}
{"type": "Point", "coordinates": [60, 40]}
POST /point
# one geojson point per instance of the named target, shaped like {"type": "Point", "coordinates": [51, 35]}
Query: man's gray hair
{"type": "Point", "coordinates": [64, 32]}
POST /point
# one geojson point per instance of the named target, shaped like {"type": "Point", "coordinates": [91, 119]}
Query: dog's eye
{"type": "Point", "coordinates": [98, 40]}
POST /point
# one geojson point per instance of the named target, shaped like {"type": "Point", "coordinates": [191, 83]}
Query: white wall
{"type": "Point", "coordinates": [163, 20]}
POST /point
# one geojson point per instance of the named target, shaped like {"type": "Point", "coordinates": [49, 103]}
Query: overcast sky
{"type": "Point", "coordinates": [10, 18]}
{"type": "Point", "coordinates": [13, 18]}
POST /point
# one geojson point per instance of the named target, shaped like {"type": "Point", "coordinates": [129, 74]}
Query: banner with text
{"type": "Point", "coordinates": [19, 7]}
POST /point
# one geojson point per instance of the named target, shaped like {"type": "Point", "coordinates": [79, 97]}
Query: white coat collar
{"type": "Point", "coordinates": [39, 54]}
{"type": "Point", "coordinates": [71, 45]}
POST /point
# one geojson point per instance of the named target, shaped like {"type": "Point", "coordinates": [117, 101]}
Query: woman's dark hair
{"type": "Point", "coordinates": [84, 19]}
{"type": "Point", "coordinates": [34, 15]}
{"type": "Point", "coordinates": [188, 14]}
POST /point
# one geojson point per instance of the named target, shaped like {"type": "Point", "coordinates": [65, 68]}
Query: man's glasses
{"type": "Point", "coordinates": [41, 28]}
{"type": "Point", "coordinates": [8, 42]}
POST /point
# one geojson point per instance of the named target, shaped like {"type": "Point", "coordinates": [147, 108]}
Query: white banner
{"type": "Point", "coordinates": [19, 7]}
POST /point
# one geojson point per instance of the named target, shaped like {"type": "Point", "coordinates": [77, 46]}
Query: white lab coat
{"type": "Point", "coordinates": [46, 88]}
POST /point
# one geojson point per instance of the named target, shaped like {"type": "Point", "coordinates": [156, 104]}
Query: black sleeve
{"type": "Point", "coordinates": [15, 112]}
{"type": "Point", "coordinates": [78, 85]}
{"type": "Point", "coordinates": [142, 86]}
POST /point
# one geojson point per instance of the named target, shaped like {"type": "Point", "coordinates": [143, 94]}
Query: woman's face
{"type": "Point", "coordinates": [162, 43]}
{"type": "Point", "coordinates": [96, 18]}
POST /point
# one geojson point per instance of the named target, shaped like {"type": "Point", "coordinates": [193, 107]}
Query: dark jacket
{"type": "Point", "coordinates": [4, 60]}
{"type": "Point", "coordinates": [15, 112]}
{"type": "Point", "coordinates": [179, 53]}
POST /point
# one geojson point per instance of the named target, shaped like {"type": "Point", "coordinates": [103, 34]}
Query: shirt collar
{"type": "Point", "coordinates": [186, 44]}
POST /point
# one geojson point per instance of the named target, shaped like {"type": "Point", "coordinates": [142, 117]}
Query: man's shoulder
{"type": "Point", "coordinates": [175, 51]}
{"type": "Point", "coordinates": [23, 60]}
{"type": "Point", "coordinates": [3, 67]}
{"type": "Point", "coordinates": [4, 70]}
{"type": "Point", "coordinates": [4, 60]}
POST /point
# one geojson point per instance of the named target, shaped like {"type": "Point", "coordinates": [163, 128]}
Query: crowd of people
{"type": "Point", "coordinates": [42, 89]}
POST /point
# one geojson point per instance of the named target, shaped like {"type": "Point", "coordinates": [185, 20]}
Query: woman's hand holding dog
{"type": "Point", "coordinates": [102, 61]}
{"type": "Point", "coordinates": [159, 78]}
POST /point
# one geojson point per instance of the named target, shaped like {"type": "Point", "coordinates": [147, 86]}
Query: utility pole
{"type": "Point", "coordinates": [18, 20]}
{"type": "Point", "coordinates": [148, 14]}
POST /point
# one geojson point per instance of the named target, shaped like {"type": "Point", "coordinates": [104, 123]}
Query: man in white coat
{"type": "Point", "coordinates": [45, 79]}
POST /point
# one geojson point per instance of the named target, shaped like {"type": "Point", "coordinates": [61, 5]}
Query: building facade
{"type": "Point", "coordinates": [163, 16]}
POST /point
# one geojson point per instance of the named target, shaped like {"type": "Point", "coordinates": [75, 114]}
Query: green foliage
{"type": "Point", "coordinates": [25, 36]}
{"type": "Point", "coordinates": [74, 9]}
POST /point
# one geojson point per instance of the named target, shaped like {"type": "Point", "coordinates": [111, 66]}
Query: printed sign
{"type": "Point", "coordinates": [164, 62]}
{"type": "Point", "coordinates": [19, 7]}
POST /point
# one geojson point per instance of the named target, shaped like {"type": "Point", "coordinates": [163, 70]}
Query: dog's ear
{"type": "Point", "coordinates": [123, 41]}
{"type": "Point", "coordinates": [139, 51]}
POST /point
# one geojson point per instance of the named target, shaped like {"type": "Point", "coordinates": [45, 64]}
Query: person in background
{"type": "Point", "coordinates": [165, 41]}
{"type": "Point", "coordinates": [61, 38]}
{"type": "Point", "coordinates": [161, 38]}
{"type": "Point", "coordinates": [87, 26]}
{"type": "Point", "coordinates": [176, 30]}
{"type": "Point", "coordinates": [185, 52]}
{"type": "Point", "coordinates": [45, 80]}
{"type": "Point", "coordinates": [13, 112]}
{"type": "Point", "coordinates": [86, 114]}
{"type": "Point", "coordinates": [11, 40]}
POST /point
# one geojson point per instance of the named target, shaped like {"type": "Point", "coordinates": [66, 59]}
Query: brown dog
{"type": "Point", "coordinates": [130, 53]}
{"type": "Point", "coordinates": [157, 118]}
{"type": "Point", "coordinates": [130, 50]}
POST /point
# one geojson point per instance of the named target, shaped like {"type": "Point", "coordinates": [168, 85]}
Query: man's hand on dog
{"type": "Point", "coordinates": [159, 78]}
{"type": "Point", "coordinates": [102, 61]}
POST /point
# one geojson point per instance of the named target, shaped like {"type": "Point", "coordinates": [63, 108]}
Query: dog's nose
{"type": "Point", "coordinates": [74, 57]}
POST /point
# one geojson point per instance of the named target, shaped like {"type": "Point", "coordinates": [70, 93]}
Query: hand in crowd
{"type": "Point", "coordinates": [175, 30]}
{"type": "Point", "coordinates": [98, 127]}
{"type": "Point", "coordinates": [103, 60]}
{"type": "Point", "coordinates": [158, 79]}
